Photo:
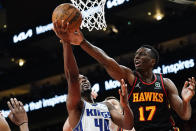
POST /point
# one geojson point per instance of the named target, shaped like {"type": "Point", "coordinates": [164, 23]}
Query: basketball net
{"type": "Point", "coordinates": [92, 13]}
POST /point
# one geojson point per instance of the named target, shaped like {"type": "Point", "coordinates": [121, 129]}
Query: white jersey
{"type": "Point", "coordinates": [94, 117]}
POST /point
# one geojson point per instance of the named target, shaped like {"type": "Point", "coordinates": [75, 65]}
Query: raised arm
{"type": "Point", "coordinates": [73, 102]}
{"type": "Point", "coordinates": [72, 76]}
{"type": "Point", "coordinates": [115, 70]}
{"type": "Point", "coordinates": [181, 106]}
{"type": "Point", "coordinates": [124, 120]}
{"type": "Point", "coordinates": [18, 115]}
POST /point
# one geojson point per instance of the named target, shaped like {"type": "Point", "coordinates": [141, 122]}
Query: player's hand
{"type": "Point", "coordinates": [18, 114]}
{"type": "Point", "coordinates": [62, 30]}
{"type": "Point", "coordinates": [188, 90]}
{"type": "Point", "coordinates": [123, 94]}
{"type": "Point", "coordinates": [94, 94]}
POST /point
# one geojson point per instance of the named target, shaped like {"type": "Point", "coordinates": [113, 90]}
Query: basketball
{"type": "Point", "coordinates": [68, 13]}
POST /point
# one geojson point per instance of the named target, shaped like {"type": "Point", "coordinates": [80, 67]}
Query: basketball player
{"type": "Point", "coordinates": [66, 126]}
{"type": "Point", "coordinates": [86, 115]}
{"type": "Point", "coordinates": [149, 93]}
{"type": "Point", "coordinates": [17, 115]}
{"type": "Point", "coordinates": [115, 102]}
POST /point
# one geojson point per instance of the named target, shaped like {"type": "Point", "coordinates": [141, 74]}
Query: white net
{"type": "Point", "coordinates": [92, 13]}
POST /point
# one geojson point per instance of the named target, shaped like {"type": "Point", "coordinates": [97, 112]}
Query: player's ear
{"type": "Point", "coordinates": [153, 61]}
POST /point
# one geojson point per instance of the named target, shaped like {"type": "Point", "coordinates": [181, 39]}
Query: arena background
{"type": "Point", "coordinates": [31, 62]}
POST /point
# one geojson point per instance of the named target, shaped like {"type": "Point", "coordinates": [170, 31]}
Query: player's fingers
{"type": "Point", "coordinates": [10, 106]}
{"type": "Point", "coordinates": [192, 83]}
{"type": "Point", "coordinates": [55, 25]}
{"type": "Point", "coordinates": [56, 29]}
{"type": "Point", "coordinates": [77, 31]}
{"type": "Point", "coordinates": [122, 87]}
{"type": "Point", "coordinates": [193, 79]}
{"type": "Point", "coordinates": [65, 25]}
{"type": "Point", "coordinates": [122, 81]}
{"type": "Point", "coordinates": [16, 102]}
{"type": "Point", "coordinates": [17, 106]}
{"type": "Point", "coordinates": [21, 105]}
{"type": "Point", "coordinates": [13, 103]}
{"type": "Point", "coordinates": [120, 93]}
{"type": "Point", "coordinates": [59, 24]}
{"type": "Point", "coordinates": [192, 90]}
{"type": "Point", "coordinates": [186, 84]}
{"type": "Point", "coordinates": [94, 94]}
{"type": "Point", "coordinates": [125, 88]}
{"type": "Point", "coordinates": [62, 24]}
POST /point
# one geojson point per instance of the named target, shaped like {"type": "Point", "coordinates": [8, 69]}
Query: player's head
{"type": "Point", "coordinates": [115, 102]}
{"type": "Point", "coordinates": [85, 87]}
{"type": "Point", "coordinates": [146, 57]}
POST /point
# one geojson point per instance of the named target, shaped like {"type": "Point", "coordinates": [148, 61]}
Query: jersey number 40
{"type": "Point", "coordinates": [103, 124]}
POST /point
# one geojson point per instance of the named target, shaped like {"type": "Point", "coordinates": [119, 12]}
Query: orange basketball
{"type": "Point", "coordinates": [69, 13]}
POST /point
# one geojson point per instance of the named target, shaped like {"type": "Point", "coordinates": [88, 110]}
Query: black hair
{"type": "Point", "coordinates": [154, 53]}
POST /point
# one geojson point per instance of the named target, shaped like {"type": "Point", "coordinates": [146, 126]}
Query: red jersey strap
{"type": "Point", "coordinates": [172, 121]}
{"type": "Point", "coordinates": [120, 129]}
{"type": "Point", "coordinates": [173, 124]}
{"type": "Point", "coordinates": [132, 87]}
{"type": "Point", "coordinates": [145, 83]}
{"type": "Point", "coordinates": [163, 85]}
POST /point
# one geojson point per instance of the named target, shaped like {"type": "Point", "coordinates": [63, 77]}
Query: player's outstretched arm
{"type": "Point", "coordinates": [74, 103]}
{"type": "Point", "coordinates": [181, 106]}
{"type": "Point", "coordinates": [124, 121]}
{"type": "Point", "coordinates": [18, 114]}
{"type": "Point", "coordinates": [115, 70]}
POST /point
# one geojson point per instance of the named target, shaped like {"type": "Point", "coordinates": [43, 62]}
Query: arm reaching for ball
{"type": "Point", "coordinates": [66, 35]}
{"type": "Point", "coordinates": [115, 70]}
